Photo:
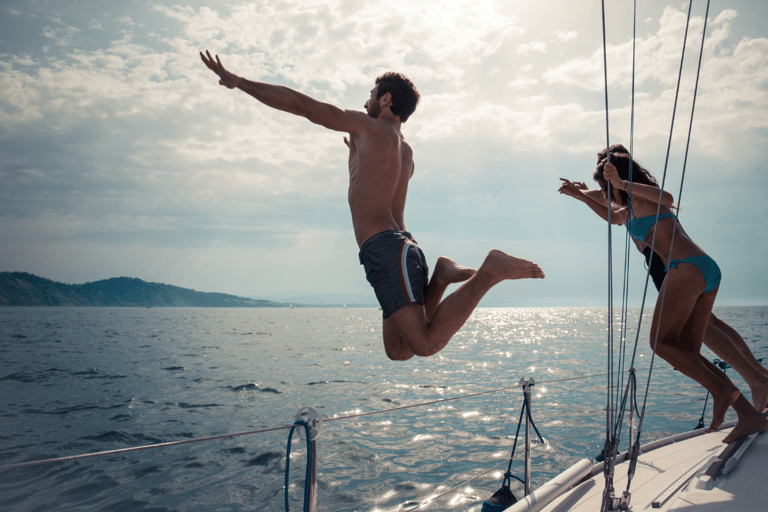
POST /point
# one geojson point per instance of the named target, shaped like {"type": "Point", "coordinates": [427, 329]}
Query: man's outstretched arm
{"type": "Point", "coordinates": [291, 101]}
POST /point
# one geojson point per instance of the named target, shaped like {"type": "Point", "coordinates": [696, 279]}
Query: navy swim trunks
{"type": "Point", "coordinates": [396, 268]}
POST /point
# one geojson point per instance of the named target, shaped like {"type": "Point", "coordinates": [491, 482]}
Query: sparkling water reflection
{"type": "Point", "coordinates": [79, 380]}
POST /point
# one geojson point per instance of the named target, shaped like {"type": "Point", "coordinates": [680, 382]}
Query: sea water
{"type": "Point", "coordinates": [81, 380]}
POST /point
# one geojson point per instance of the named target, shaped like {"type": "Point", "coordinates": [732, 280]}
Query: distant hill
{"type": "Point", "coordinates": [321, 300]}
{"type": "Point", "coordinates": [23, 289]}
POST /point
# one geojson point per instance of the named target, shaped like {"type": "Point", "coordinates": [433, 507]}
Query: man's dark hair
{"type": "Point", "coordinates": [405, 96]}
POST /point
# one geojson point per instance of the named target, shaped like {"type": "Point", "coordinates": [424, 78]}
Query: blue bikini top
{"type": "Point", "coordinates": [638, 227]}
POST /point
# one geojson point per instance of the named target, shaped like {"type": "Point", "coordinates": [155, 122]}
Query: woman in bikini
{"type": "Point", "coordinates": [688, 291]}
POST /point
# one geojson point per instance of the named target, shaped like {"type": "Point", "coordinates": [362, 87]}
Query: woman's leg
{"type": "Point", "coordinates": [679, 323]}
{"type": "Point", "coordinates": [724, 341]}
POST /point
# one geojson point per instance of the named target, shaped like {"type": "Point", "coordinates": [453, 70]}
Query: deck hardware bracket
{"type": "Point", "coordinates": [620, 503]}
{"type": "Point", "coordinates": [313, 419]}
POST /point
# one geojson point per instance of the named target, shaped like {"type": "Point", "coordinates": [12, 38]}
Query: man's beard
{"type": "Point", "coordinates": [374, 111]}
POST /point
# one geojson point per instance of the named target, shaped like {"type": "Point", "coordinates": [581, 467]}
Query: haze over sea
{"type": "Point", "coordinates": [81, 380]}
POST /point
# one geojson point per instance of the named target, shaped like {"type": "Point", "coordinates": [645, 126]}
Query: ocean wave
{"type": "Point", "coordinates": [253, 387]}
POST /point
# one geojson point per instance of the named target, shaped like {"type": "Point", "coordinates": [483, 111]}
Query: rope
{"type": "Point", "coordinates": [526, 409]}
{"type": "Point", "coordinates": [435, 498]}
{"type": "Point", "coordinates": [308, 473]}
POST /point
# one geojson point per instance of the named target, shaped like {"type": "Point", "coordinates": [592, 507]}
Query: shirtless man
{"type": "Point", "coordinates": [416, 322]}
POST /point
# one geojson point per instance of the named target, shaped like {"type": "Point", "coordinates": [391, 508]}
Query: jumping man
{"type": "Point", "coordinates": [416, 322]}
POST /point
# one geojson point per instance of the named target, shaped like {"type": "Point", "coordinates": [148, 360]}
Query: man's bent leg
{"type": "Point", "coordinates": [394, 345]}
{"type": "Point", "coordinates": [426, 337]}
{"type": "Point", "coordinates": [446, 272]}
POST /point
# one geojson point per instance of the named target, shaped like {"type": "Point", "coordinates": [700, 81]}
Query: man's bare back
{"type": "Point", "coordinates": [416, 322]}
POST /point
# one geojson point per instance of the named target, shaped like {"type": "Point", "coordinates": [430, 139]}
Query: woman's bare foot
{"type": "Point", "coordinates": [759, 397]}
{"type": "Point", "coordinates": [504, 266]}
{"type": "Point", "coordinates": [720, 405]}
{"type": "Point", "coordinates": [759, 389]}
{"type": "Point", "coordinates": [746, 427]}
{"type": "Point", "coordinates": [448, 271]}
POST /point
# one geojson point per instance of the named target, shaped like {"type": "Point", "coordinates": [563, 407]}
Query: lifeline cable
{"type": "Point", "coordinates": [282, 427]}
{"type": "Point", "coordinates": [549, 441]}
{"type": "Point", "coordinates": [138, 448]}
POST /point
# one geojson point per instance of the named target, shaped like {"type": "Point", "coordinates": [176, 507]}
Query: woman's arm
{"type": "Point", "coordinates": [641, 190]}
{"type": "Point", "coordinates": [595, 199]}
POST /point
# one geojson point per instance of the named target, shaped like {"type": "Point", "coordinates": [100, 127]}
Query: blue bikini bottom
{"type": "Point", "coordinates": [706, 266]}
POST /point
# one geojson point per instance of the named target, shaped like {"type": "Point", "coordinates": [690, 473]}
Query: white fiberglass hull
{"type": "Point", "coordinates": [693, 472]}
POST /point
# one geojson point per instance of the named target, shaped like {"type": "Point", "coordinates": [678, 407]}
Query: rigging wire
{"type": "Point", "coordinates": [693, 106]}
{"type": "Point", "coordinates": [634, 450]}
{"type": "Point", "coordinates": [608, 450]}
{"type": "Point", "coordinates": [612, 437]}
{"type": "Point", "coordinates": [627, 237]}
{"type": "Point", "coordinates": [661, 191]}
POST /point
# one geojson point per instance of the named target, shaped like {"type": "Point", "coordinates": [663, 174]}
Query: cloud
{"type": "Point", "coordinates": [534, 47]}
{"type": "Point", "coordinates": [332, 49]}
{"type": "Point", "coordinates": [566, 36]}
{"type": "Point", "coordinates": [313, 45]}
{"type": "Point", "coordinates": [320, 49]}
{"type": "Point", "coordinates": [114, 137]}
{"type": "Point", "coordinates": [657, 56]}
{"type": "Point", "coordinates": [732, 98]}
{"type": "Point", "coordinates": [61, 34]}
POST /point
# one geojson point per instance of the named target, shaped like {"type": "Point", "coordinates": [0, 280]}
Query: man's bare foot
{"type": "Point", "coordinates": [746, 427]}
{"type": "Point", "coordinates": [501, 266]}
{"type": "Point", "coordinates": [448, 271]}
{"type": "Point", "coordinates": [720, 405]}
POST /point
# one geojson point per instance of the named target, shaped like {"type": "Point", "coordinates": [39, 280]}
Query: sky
{"type": "Point", "coordinates": [120, 155]}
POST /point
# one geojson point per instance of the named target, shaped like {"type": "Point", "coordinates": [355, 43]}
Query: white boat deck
{"type": "Point", "coordinates": [676, 477]}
